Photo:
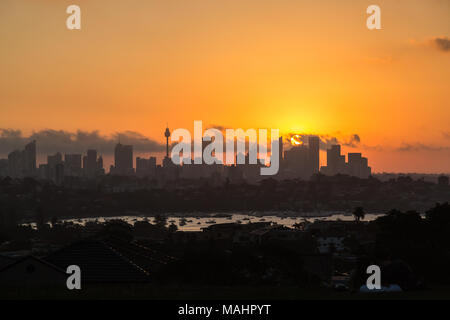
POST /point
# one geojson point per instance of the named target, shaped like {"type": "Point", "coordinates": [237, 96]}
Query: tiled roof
{"type": "Point", "coordinates": [147, 258]}
{"type": "Point", "coordinates": [14, 262]}
{"type": "Point", "coordinates": [99, 263]}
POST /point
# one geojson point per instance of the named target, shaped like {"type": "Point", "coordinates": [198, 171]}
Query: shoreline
{"type": "Point", "coordinates": [199, 215]}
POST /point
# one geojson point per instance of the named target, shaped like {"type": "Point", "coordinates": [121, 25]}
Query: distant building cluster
{"type": "Point", "coordinates": [299, 162]}
{"type": "Point", "coordinates": [356, 166]}
{"type": "Point", "coordinates": [73, 165]}
{"type": "Point", "coordinates": [302, 161]}
{"type": "Point", "coordinates": [22, 163]}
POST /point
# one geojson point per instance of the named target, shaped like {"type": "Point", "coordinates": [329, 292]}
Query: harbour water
{"type": "Point", "coordinates": [196, 223]}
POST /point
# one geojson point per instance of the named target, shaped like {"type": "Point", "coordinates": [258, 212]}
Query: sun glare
{"type": "Point", "coordinates": [296, 140]}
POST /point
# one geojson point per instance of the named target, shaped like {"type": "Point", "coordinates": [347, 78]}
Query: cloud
{"type": "Point", "coordinates": [353, 141]}
{"type": "Point", "coordinates": [408, 147]}
{"type": "Point", "coordinates": [51, 141]}
{"type": "Point", "coordinates": [326, 141]}
{"type": "Point", "coordinates": [420, 146]}
{"type": "Point", "coordinates": [441, 43]}
{"type": "Point", "coordinates": [218, 127]}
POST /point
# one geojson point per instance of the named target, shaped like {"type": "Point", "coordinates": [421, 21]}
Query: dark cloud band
{"type": "Point", "coordinates": [51, 141]}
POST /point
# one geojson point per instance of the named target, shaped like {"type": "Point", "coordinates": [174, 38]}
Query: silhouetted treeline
{"type": "Point", "coordinates": [111, 196]}
{"type": "Point", "coordinates": [424, 243]}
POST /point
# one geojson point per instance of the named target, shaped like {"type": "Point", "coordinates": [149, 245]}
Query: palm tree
{"type": "Point", "coordinates": [359, 213]}
{"type": "Point", "coordinates": [172, 228]}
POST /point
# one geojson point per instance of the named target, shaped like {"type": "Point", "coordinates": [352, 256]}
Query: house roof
{"type": "Point", "coordinates": [145, 257]}
{"type": "Point", "coordinates": [99, 262]}
{"type": "Point", "coordinates": [21, 260]}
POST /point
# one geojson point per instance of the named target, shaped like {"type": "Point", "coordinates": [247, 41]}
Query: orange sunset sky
{"type": "Point", "coordinates": [308, 67]}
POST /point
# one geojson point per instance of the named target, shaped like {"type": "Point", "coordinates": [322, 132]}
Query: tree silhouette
{"type": "Point", "coordinates": [54, 221]}
{"type": "Point", "coordinates": [160, 221]}
{"type": "Point", "coordinates": [359, 213]}
{"type": "Point", "coordinates": [172, 227]}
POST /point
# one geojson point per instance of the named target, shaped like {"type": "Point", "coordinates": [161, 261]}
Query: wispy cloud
{"type": "Point", "coordinates": [50, 141]}
{"type": "Point", "coordinates": [441, 43]}
{"type": "Point", "coordinates": [409, 147]}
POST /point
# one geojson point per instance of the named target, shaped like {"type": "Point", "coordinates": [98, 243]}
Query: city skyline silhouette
{"type": "Point", "coordinates": [300, 160]}
{"type": "Point", "coordinates": [52, 142]}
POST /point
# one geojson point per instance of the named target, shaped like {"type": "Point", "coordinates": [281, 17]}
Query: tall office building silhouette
{"type": "Point", "coordinates": [55, 167]}
{"type": "Point", "coordinates": [90, 163]}
{"type": "Point", "coordinates": [123, 159]}
{"type": "Point", "coordinates": [3, 167]}
{"type": "Point", "coordinates": [280, 154]}
{"type": "Point", "coordinates": [15, 163]}
{"type": "Point", "coordinates": [302, 161]}
{"type": "Point", "coordinates": [313, 154]}
{"type": "Point", "coordinates": [30, 159]}
{"type": "Point", "coordinates": [146, 167]}
{"type": "Point", "coordinates": [356, 166]}
{"type": "Point", "coordinates": [22, 163]}
{"type": "Point", "coordinates": [100, 164]}
{"type": "Point", "coordinates": [72, 165]}
{"type": "Point", "coordinates": [335, 161]}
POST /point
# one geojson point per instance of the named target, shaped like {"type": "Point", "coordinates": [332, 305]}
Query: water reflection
{"type": "Point", "coordinates": [190, 223]}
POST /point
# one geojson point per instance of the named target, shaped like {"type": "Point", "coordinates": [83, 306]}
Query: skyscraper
{"type": "Point", "coordinates": [145, 167]}
{"type": "Point", "coordinates": [55, 167]}
{"type": "Point", "coordinates": [123, 159]}
{"type": "Point", "coordinates": [30, 159]}
{"type": "Point", "coordinates": [100, 164]}
{"type": "Point", "coordinates": [280, 153]}
{"type": "Point", "coordinates": [90, 163]}
{"type": "Point", "coordinates": [22, 163]}
{"type": "Point", "coordinates": [3, 167]}
{"type": "Point", "coordinates": [296, 162]}
{"type": "Point", "coordinates": [53, 160]}
{"type": "Point", "coordinates": [358, 166]}
{"type": "Point", "coordinates": [355, 164]}
{"type": "Point", "coordinates": [366, 171]}
{"type": "Point", "coordinates": [72, 165]}
{"type": "Point", "coordinates": [335, 161]}
{"type": "Point", "coordinates": [15, 164]}
{"type": "Point", "coordinates": [313, 154]}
